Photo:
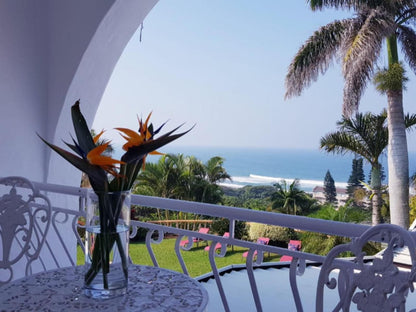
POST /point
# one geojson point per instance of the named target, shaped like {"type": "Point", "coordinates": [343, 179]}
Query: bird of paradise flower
{"type": "Point", "coordinates": [110, 175]}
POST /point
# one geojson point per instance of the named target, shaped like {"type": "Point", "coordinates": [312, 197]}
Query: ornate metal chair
{"type": "Point", "coordinates": [376, 285]}
{"type": "Point", "coordinates": [24, 222]}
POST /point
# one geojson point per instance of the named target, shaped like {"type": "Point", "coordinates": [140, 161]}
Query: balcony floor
{"type": "Point", "coordinates": [274, 289]}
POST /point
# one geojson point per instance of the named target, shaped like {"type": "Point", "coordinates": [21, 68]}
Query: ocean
{"type": "Point", "coordinates": [259, 166]}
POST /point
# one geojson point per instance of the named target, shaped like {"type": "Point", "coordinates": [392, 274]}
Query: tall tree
{"type": "Point", "coordinates": [365, 135]}
{"type": "Point", "coordinates": [330, 190]}
{"type": "Point", "coordinates": [184, 177]}
{"type": "Point", "coordinates": [215, 171]}
{"type": "Point", "coordinates": [359, 41]}
{"type": "Point", "coordinates": [356, 178]}
{"type": "Point", "coordinates": [289, 198]}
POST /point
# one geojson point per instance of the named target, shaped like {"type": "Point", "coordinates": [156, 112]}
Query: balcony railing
{"type": "Point", "coordinates": [60, 247]}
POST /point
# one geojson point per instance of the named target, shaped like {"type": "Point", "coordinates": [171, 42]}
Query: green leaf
{"type": "Point", "coordinates": [84, 137]}
{"type": "Point", "coordinates": [72, 147]}
{"type": "Point", "coordinates": [95, 173]}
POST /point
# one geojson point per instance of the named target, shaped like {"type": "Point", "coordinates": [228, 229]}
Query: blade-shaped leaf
{"type": "Point", "coordinates": [137, 152]}
{"type": "Point", "coordinates": [82, 131]}
{"type": "Point", "coordinates": [128, 174]}
{"type": "Point", "coordinates": [76, 148]}
{"type": "Point", "coordinates": [95, 173]}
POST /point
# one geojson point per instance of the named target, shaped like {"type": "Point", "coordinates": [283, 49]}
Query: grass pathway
{"type": "Point", "coordinates": [196, 259]}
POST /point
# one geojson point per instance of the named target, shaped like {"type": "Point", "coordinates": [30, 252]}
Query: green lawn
{"type": "Point", "coordinates": [196, 259]}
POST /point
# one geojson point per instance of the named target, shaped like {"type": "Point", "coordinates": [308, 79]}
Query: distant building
{"type": "Point", "coordinates": [319, 194]}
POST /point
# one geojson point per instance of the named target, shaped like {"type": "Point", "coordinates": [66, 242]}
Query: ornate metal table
{"type": "Point", "coordinates": [150, 289]}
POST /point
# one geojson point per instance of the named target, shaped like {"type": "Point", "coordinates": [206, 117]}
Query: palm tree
{"type": "Point", "coordinates": [289, 198]}
{"type": "Point", "coordinates": [365, 135]}
{"type": "Point", "coordinates": [194, 178]}
{"type": "Point", "coordinates": [359, 41]}
{"type": "Point", "coordinates": [158, 179]}
{"type": "Point", "coordinates": [215, 172]}
{"type": "Point", "coordinates": [183, 177]}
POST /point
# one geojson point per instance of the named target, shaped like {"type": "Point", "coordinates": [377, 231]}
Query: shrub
{"type": "Point", "coordinates": [318, 243]}
{"type": "Point", "coordinates": [140, 236]}
{"type": "Point", "coordinates": [279, 236]}
{"type": "Point", "coordinates": [81, 230]}
{"type": "Point", "coordinates": [321, 244]}
{"type": "Point", "coordinates": [220, 226]}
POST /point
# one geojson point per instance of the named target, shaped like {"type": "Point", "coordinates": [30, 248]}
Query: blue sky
{"type": "Point", "coordinates": [221, 65]}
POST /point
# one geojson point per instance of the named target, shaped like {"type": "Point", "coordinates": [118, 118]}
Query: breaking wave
{"type": "Point", "coordinates": [255, 180]}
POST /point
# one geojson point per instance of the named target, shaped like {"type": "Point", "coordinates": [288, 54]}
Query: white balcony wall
{"type": "Point", "coordinates": [54, 53]}
{"type": "Point", "coordinates": [23, 85]}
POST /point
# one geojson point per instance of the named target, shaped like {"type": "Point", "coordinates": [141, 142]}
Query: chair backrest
{"type": "Point", "coordinates": [294, 245]}
{"type": "Point", "coordinates": [377, 285]}
{"type": "Point", "coordinates": [203, 230]}
{"type": "Point", "coordinates": [24, 222]}
{"type": "Point", "coordinates": [263, 240]}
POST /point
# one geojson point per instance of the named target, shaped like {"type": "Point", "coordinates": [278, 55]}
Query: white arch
{"type": "Point", "coordinates": [53, 53]}
{"type": "Point", "coordinates": [93, 73]}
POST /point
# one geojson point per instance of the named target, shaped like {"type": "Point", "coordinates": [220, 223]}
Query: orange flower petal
{"type": "Point", "coordinates": [132, 137]}
{"type": "Point", "coordinates": [97, 151]}
{"type": "Point", "coordinates": [105, 162]}
{"type": "Point", "coordinates": [156, 153]}
{"type": "Point", "coordinates": [130, 133]}
{"type": "Point", "coordinates": [97, 137]}
{"type": "Point", "coordinates": [143, 127]}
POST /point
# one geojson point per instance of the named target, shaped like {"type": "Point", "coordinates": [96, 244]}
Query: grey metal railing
{"type": "Point", "coordinates": [69, 219]}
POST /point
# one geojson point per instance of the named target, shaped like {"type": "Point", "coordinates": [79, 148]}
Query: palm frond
{"type": "Point", "coordinates": [364, 134]}
{"type": "Point", "coordinates": [362, 49]}
{"type": "Point", "coordinates": [409, 121]}
{"type": "Point", "coordinates": [314, 57]}
{"type": "Point", "coordinates": [355, 4]}
{"type": "Point", "coordinates": [407, 38]}
{"type": "Point", "coordinates": [340, 143]}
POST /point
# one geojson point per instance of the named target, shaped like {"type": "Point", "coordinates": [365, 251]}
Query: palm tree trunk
{"type": "Point", "coordinates": [376, 202]}
{"type": "Point", "coordinates": [398, 162]}
{"type": "Point", "coordinates": [376, 189]}
{"type": "Point", "coordinates": [398, 158]}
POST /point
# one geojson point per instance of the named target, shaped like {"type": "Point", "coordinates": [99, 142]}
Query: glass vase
{"type": "Point", "coordinates": [107, 245]}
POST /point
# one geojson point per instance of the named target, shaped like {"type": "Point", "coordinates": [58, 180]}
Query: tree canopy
{"type": "Point", "coordinates": [358, 42]}
{"type": "Point", "coordinates": [330, 190]}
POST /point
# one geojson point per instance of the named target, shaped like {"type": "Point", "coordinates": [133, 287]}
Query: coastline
{"type": "Point", "coordinates": [267, 166]}
{"type": "Point", "coordinates": [302, 164]}
{"type": "Point", "coordinates": [257, 180]}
